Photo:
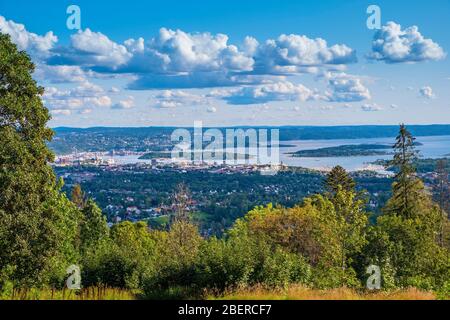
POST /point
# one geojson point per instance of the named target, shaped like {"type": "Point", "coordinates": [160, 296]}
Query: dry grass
{"type": "Point", "coordinates": [295, 292]}
{"type": "Point", "coordinates": [302, 293]}
{"type": "Point", "coordinates": [93, 293]}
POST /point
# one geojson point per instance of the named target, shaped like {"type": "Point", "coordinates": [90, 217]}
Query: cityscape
{"type": "Point", "coordinates": [224, 159]}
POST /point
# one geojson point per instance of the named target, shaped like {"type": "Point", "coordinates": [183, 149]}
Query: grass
{"type": "Point", "coordinates": [302, 293]}
{"type": "Point", "coordinates": [93, 293]}
{"type": "Point", "coordinates": [294, 292]}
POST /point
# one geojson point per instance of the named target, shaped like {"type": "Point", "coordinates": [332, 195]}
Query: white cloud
{"type": "Point", "coordinates": [279, 91]}
{"type": "Point", "coordinates": [127, 103]}
{"type": "Point", "coordinates": [83, 96]}
{"type": "Point", "coordinates": [92, 49]}
{"type": "Point", "coordinates": [176, 59]}
{"type": "Point", "coordinates": [394, 45]}
{"type": "Point", "coordinates": [296, 53]}
{"type": "Point", "coordinates": [345, 88]}
{"type": "Point", "coordinates": [60, 74]}
{"type": "Point", "coordinates": [177, 98]}
{"type": "Point", "coordinates": [427, 92]}
{"type": "Point", "coordinates": [37, 46]}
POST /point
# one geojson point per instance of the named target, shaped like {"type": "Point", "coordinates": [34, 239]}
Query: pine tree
{"type": "Point", "coordinates": [411, 223]}
{"type": "Point", "coordinates": [406, 188]}
{"type": "Point", "coordinates": [338, 179]}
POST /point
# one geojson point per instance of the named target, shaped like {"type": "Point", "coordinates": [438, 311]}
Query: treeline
{"type": "Point", "coordinates": [324, 242]}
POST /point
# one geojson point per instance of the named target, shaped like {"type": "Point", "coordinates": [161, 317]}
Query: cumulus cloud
{"type": "Point", "coordinates": [279, 91]}
{"type": "Point", "coordinates": [345, 88]}
{"type": "Point", "coordinates": [37, 46]}
{"type": "Point", "coordinates": [175, 59]}
{"type": "Point", "coordinates": [92, 49]}
{"type": "Point", "coordinates": [394, 45]}
{"type": "Point", "coordinates": [427, 92]}
{"type": "Point", "coordinates": [296, 53]}
{"type": "Point", "coordinates": [83, 96]}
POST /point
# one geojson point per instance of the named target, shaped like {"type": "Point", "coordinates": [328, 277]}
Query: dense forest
{"type": "Point", "coordinates": [323, 241]}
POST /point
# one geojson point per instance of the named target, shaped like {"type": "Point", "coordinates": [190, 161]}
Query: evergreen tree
{"type": "Point", "coordinates": [406, 188]}
{"type": "Point", "coordinates": [37, 224]}
{"type": "Point", "coordinates": [407, 234]}
{"type": "Point", "coordinates": [337, 179]}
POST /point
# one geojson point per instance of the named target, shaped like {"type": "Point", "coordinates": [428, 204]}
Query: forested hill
{"type": "Point", "coordinates": [158, 138]}
{"type": "Point", "coordinates": [286, 132]}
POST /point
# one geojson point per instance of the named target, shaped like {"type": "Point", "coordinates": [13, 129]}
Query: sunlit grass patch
{"type": "Point", "coordinates": [303, 293]}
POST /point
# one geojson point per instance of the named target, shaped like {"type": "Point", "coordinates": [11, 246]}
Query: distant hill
{"type": "Point", "coordinates": [158, 138]}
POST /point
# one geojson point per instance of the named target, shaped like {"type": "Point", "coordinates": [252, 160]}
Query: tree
{"type": "Point", "coordinates": [181, 201]}
{"type": "Point", "coordinates": [37, 223]}
{"type": "Point", "coordinates": [78, 197]}
{"type": "Point", "coordinates": [94, 228]}
{"type": "Point", "coordinates": [406, 187]}
{"type": "Point", "coordinates": [442, 190]}
{"type": "Point", "coordinates": [408, 230]}
{"type": "Point", "coordinates": [336, 178]}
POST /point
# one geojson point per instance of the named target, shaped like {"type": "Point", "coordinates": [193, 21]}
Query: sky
{"type": "Point", "coordinates": [229, 63]}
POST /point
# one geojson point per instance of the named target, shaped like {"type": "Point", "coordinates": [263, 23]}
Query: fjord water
{"type": "Point", "coordinates": [432, 147]}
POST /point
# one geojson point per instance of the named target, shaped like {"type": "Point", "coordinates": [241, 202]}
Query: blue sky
{"type": "Point", "coordinates": [139, 63]}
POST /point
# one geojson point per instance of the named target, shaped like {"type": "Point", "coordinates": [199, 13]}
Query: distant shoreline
{"type": "Point", "coordinates": [287, 133]}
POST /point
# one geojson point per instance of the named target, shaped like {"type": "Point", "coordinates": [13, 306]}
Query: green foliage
{"type": "Point", "coordinates": [93, 227]}
{"type": "Point", "coordinates": [324, 242]}
{"type": "Point", "coordinates": [78, 197]}
{"type": "Point", "coordinates": [407, 188]}
{"type": "Point", "coordinates": [339, 178]}
{"type": "Point", "coordinates": [38, 225]}
{"type": "Point", "coordinates": [405, 239]}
